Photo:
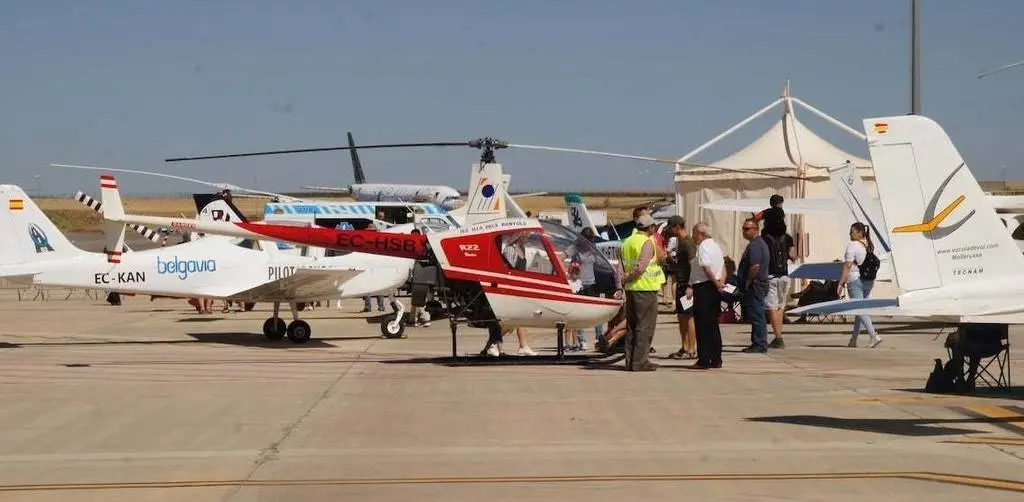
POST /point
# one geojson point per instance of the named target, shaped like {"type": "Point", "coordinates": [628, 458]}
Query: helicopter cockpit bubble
{"type": "Point", "coordinates": [588, 270]}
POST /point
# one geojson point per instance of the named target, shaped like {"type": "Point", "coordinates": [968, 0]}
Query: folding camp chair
{"type": "Point", "coordinates": [973, 349]}
{"type": "Point", "coordinates": [818, 292]}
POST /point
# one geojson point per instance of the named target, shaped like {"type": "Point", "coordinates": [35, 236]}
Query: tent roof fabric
{"type": "Point", "coordinates": [768, 153]}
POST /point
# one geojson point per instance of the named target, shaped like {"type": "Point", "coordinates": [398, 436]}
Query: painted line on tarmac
{"type": "Point", "coordinates": [1010, 418]}
{"type": "Point", "coordinates": [963, 480]}
{"type": "Point", "coordinates": [994, 440]}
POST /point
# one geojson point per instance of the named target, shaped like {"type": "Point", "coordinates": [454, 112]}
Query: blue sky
{"type": "Point", "coordinates": [126, 84]}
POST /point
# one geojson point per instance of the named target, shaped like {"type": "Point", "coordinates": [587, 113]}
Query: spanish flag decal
{"type": "Point", "coordinates": [16, 205]}
{"type": "Point", "coordinates": [881, 128]}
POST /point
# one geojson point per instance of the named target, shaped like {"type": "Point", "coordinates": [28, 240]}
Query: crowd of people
{"type": "Point", "coordinates": [709, 286]}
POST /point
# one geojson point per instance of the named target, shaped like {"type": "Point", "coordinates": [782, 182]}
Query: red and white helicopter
{"type": "Point", "coordinates": [495, 269]}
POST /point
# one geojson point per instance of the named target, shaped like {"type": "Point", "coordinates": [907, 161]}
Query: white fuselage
{"type": "Point", "coordinates": [209, 267]}
{"type": "Point", "coordinates": [441, 195]}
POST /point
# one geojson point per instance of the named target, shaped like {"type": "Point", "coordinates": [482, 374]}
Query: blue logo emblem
{"type": "Point", "coordinates": [39, 239]}
{"type": "Point", "coordinates": [182, 268]}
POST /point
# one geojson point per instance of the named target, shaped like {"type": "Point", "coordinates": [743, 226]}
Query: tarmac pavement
{"type": "Point", "coordinates": [151, 401]}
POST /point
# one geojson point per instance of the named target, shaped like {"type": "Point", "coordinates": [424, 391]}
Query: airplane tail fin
{"type": "Point", "coordinates": [28, 235]}
{"type": "Point", "coordinates": [217, 207]}
{"type": "Point", "coordinates": [856, 204]}
{"type": "Point", "coordinates": [514, 209]}
{"type": "Point", "coordinates": [357, 167]}
{"type": "Point", "coordinates": [113, 213]}
{"type": "Point", "coordinates": [942, 229]}
{"type": "Point", "coordinates": [579, 216]}
{"type": "Point", "coordinates": [95, 205]}
{"type": "Point", "coordinates": [486, 199]}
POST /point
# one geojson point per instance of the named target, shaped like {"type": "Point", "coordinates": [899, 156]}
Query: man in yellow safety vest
{"type": "Point", "coordinates": [642, 280]}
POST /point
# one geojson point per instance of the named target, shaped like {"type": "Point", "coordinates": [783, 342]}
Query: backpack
{"type": "Point", "coordinates": [778, 265]}
{"type": "Point", "coordinates": [869, 267]}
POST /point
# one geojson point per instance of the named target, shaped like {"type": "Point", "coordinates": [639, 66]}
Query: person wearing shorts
{"type": "Point", "coordinates": [778, 296]}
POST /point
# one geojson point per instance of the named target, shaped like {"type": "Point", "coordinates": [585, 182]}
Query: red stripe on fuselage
{"type": "Point", "coordinates": [509, 280]}
{"type": "Point", "coordinates": [541, 295]}
{"type": "Point", "coordinates": [362, 241]}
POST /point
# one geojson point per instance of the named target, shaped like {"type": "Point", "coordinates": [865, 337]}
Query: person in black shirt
{"type": "Point", "coordinates": [681, 250]}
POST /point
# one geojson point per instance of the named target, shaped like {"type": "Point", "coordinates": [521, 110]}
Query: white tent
{"type": "Point", "coordinates": [788, 159]}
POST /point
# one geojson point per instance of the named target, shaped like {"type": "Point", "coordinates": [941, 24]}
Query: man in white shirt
{"type": "Point", "coordinates": [707, 281]}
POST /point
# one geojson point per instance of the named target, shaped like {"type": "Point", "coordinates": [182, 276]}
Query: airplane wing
{"type": "Point", "coordinates": [791, 206]}
{"type": "Point", "coordinates": [304, 284]}
{"type": "Point", "coordinates": [1006, 312]}
{"type": "Point", "coordinates": [824, 271]}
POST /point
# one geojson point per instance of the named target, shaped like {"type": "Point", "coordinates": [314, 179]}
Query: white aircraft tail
{"type": "Point", "coordinates": [113, 211]}
{"type": "Point", "coordinates": [579, 217]}
{"type": "Point", "coordinates": [942, 228]}
{"type": "Point", "coordinates": [27, 233]}
{"type": "Point", "coordinates": [486, 199]}
{"type": "Point", "coordinates": [513, 209]}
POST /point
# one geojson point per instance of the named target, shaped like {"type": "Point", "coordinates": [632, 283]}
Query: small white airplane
{"type": "Point", "coordinates": [233, 269]}
{"type": "Point", "coordinates": [951, 254]}
{"type": "Point", "coordinates": [442, 195]}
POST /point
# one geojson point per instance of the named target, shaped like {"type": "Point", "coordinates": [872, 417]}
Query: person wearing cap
{"type": "Point", "coordinates": [642, 279]}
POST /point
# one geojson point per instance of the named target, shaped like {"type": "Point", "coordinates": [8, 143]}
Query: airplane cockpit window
{"type": "Point", "coordinates": [589, 270]}
{"type": "Point", "coordinates": [525, 251]}
{"type": "Point", "coordinates": [434, 224]}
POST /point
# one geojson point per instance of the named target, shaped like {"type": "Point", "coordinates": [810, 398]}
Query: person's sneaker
{"type": "Point", "coordinates": [583, 347]}
{"type": "Point", "coordinates": [755, 349]}
{"type": "Point", "coordinates": [526, 351]}
{"type": "Point", "coordinates": [852, 344]}
{"type": "Point", "coordinates": [493, 351]}
{"type": "Point", "coordinates": [875, 341]}
{"type": "Point", "coordinates": [777, 343]}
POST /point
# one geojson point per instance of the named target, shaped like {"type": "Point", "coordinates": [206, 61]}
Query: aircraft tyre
{"type": "Point", "coordinates": [299, 331]}
{"type": "Point", "coordinates": [392, 326]}
{"type": "Point", "coordinates": [274, 328]}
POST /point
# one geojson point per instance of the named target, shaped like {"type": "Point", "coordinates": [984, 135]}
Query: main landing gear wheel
{"type": "Point", "coordinates": [299, 331]}
{"type": "Point", "coordinates": [274, 328]}
{"type": "Point", "coordinates": [392, 326]}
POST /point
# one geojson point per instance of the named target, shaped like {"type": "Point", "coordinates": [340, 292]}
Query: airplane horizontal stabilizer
{"type": "Point", "coordinates": [823, 271]}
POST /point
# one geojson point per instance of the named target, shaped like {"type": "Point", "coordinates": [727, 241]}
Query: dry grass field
{"type": "Point", "coordinates": [71, 216]}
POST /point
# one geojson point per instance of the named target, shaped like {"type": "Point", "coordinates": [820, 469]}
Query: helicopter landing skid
{"type": "Point", "coordinates": [558, 358]}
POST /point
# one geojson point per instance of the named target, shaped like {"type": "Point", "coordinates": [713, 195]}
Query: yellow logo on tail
{"type": "Point", "coordinates": [16, 205]}
{"type": "Point", "coordinates": [933, 223]}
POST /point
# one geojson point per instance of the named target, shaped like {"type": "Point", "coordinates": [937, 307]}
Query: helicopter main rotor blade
{"type": "Point", "coordinates": [648, 159]}
{"type": "Point", "coordinates": [322, 149]}
{"type": "Point", "coordinates": [221, 186]}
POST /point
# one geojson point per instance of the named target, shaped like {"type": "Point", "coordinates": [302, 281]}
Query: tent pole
{"type": "Point", "coordinates": [830, 120]}
{"type": "Point", "coordinates": [727, 132]}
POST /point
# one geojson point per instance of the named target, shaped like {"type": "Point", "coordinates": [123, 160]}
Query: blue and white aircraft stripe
{"type": "Point", "coordinates": [340, 208]}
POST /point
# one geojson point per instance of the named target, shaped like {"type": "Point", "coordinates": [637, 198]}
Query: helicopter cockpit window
{"type": "Point", "coordinates": [589, 271]}
{"type": "Point", "coordinates": [525, 251]}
